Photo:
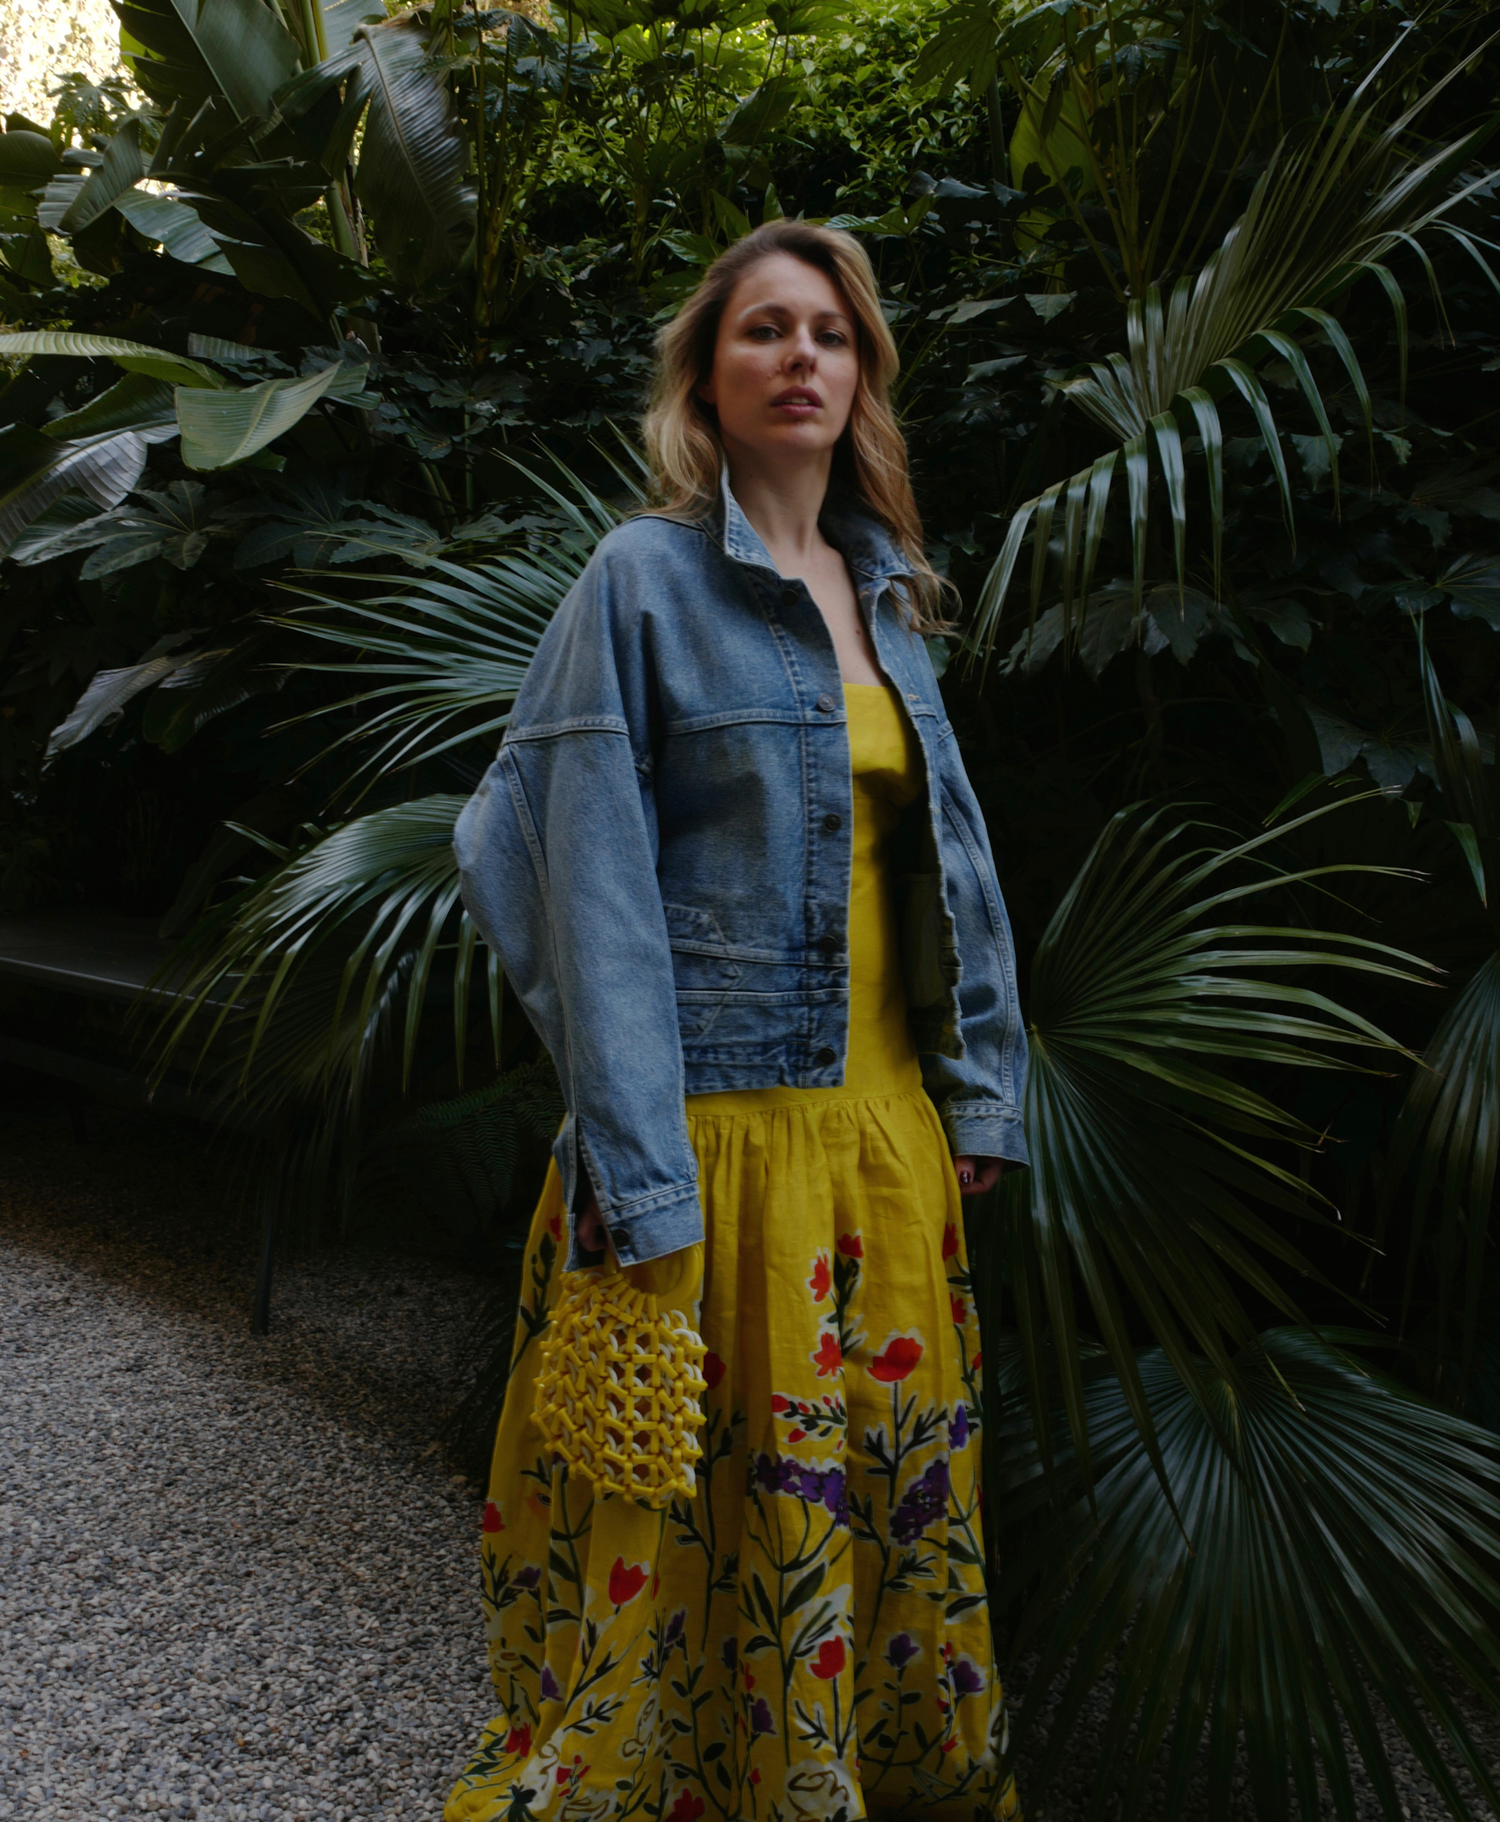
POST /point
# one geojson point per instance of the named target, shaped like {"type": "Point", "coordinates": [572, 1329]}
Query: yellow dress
{"type": "Point", "coordinates": [805, 1635]}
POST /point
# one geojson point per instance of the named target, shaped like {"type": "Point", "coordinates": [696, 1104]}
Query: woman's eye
{"type": "Point", "coordinates": [833, 338]}
{"type": "Point", "coordinates": [763, 332]}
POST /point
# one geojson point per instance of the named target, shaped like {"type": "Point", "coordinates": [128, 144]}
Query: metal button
{"type": "Point", "coordinates": [788, 597]}
{"type": "Point", "coordinates": [824, 704]}
{"type": "Point", "coordinates": [829, 945]}
{"type": "Point", "coordinates": [833, 823]}
{"type": "Point", "coordinates": [825, 1056]}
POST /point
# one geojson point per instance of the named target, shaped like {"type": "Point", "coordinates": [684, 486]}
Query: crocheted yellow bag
{"type": "Point", "coordinates": [618, 1390]}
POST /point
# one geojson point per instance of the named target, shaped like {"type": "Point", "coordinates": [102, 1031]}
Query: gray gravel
{"type": "Point", "coordinates": [237, 1579]}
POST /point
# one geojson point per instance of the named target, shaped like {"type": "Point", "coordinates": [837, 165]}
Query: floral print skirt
{"type": "Point", "coordinates": [806, 1635]}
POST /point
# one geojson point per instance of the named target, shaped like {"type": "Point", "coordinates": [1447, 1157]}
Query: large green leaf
{"type": "Point", "coordinates": [136, 402]}
{"type": "Point", "coordinates": [221, 428]}
{"type": "Point", "coordinates": [27, 160]}
{"type": "Point", "coordinates": [175, 226]}
{"type": "Point", "coordinates": [1151, 1156]}
{"type": "Point", "coordinates": [412, 158]}
{"type": "Point", "coordinates": [103, 468]}
{"type": "Point", "coordinates": [1319, 216]}
{"type": "Point", "coordinates": [1326, 1551]}
{"type": "Point", "coordinates": [134, 357]}
{"type": "Point", "coordinates": [122, 169]}
{"type": "Point", "coordinates": [106, 696]}
{"type": "Point", "coordinates": [243, 45]}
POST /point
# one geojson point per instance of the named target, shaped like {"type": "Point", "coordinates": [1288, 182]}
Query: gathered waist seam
{"type": "Point", "coordinates": [843, 1100]}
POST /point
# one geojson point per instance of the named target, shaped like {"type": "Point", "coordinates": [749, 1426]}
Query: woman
{"type": "Point", "coordinates": [734, 870]}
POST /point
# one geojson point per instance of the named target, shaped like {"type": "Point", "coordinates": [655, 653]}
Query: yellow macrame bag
{"type": "Point", "coordinates": [620, 1380]}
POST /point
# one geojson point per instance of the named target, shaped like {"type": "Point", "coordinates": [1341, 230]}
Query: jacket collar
{"type": "Point", "coordinates": [864, 543]}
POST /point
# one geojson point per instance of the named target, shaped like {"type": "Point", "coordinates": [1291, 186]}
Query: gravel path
{"type": "Point", "coordinates": [236, 1578]}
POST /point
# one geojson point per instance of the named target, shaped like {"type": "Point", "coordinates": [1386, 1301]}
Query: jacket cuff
{"type": "Point", "coordinates": [663, 1222]}
{"type": "Point", "coordinates": [985, 1129]}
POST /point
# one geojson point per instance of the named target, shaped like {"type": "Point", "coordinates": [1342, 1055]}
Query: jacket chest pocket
{"type": "Point", "coordinates": [701, 972]}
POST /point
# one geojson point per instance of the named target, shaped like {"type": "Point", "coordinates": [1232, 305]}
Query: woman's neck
{"type": "Point", "coordinates": [782, 502]}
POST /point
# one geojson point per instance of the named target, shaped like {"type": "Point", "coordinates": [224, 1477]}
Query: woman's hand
{"type": "Point", "coordinates": [976, 1175]}
{"type": "Point", "coordinates": [593, 1235]}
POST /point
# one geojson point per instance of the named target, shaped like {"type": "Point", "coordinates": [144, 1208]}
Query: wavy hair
{"type": "Point", "coordinates": [869, 459]}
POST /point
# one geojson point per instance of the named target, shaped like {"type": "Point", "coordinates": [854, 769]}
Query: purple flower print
{"type": "Point", "coordinates": [731, 1653]}
{"type": "Point", "coordinates": [528, 1577]}
{"type": "Point", "coordinates": [550, 1690]}
{"type": "Point", "coordinates": [965, 1677]}
{"type": "Point", "coordinates": [958, 1428]}
{"type": "Point", "coordinates": [675, 1627]}
{"type": "Point", "coordinates": [923, 1503]}
{"type": "Point", "coordinates": [815, 1486]}
{"type": "Point", "coordinates": [760, 1716]}
{"type": "Point", "coordinates": [900, 1649]}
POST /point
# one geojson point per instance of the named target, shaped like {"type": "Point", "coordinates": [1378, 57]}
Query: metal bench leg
{"type": "Point", "coordinates": [260, 1314]}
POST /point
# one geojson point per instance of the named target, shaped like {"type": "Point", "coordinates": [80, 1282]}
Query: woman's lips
{"type": "Point", "coordinates": [797, 404]}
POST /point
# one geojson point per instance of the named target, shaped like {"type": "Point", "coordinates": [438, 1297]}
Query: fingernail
{"type": "Point", "coordinates": [965, 1178]}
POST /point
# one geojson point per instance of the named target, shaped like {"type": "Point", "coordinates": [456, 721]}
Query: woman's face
{"type": "Point", "coordinates": [786, 362]}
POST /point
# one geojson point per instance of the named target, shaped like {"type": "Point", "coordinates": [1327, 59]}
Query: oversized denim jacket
{"type": "Point", "coordinates": [660, 856]}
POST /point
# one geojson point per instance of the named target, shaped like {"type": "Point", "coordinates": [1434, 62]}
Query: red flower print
{"type": "Point", "coordinates": [796, 1435]}
{"type": "Point", "coordinates": [830, 1659]}
{"type": "Point", "coordinates": [519, 1740]}
{"type": "Point", "coordinates": [950, 1241]}
{"type": "Point", "coordinates": [948, 1745]}
{"type": "Point", "coordinates": [902, 1352]}
{"type": "Point", "coordinates": [851, 1246]}
{"type": "Point", "coordinates": [779, 1402]}
{"type": "Point", "coordinates": [755, 1774]}
{"type": "Point", "coordinates": [977, 1362]}
{"type": "Point", "coordinates": [554, 1227]}
{"type": "Point", "coordinates": [687, 1808]}
{"type": "Point", "coordinates": [829, 1357]}
{"type": "Point", "coordinates": [821, 1281]}
{"type": "Point", "coordinates": [960, 1310]}
{"type": "Point", "coordinates": [749, 1678]}
{"type": "Point", "coordinates": [626, 1581]}
{"type": "Point", "coordinates": [492, 1519]}
{"type": "Point", "coordinates": [713, 1370]}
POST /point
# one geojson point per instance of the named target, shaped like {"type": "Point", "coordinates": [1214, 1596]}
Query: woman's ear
{"type": "Point", "coordinates": [705, 390]}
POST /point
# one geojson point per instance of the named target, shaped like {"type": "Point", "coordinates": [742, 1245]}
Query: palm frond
{"type": "Point", "coordinates": [1319, 217]}
{"type": "Point", "coordinates": [451, 645]}
{"type": "Point", "coordinates": [1319, 1548]}
{"type": "Point", "coordinates": [1148, 1154]}
{"type": "Point", "coordinates": [304, 971]}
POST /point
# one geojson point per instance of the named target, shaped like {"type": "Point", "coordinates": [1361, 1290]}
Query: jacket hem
{"type": "Point", "coordinates": [984, 1129]}
{"type": "Point", "coordinates": [668, 1221]}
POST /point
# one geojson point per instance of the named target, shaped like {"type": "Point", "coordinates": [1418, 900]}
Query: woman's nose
{"type": "Point", "coordinates": [802, 351]}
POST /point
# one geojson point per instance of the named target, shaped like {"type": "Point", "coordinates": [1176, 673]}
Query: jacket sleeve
{"type": "Point", "coordinates": [978, 1095]}
{"type": "Point", "coordinates": [557, 853]}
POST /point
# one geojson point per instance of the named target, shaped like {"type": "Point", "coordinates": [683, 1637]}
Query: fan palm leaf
{"type": "Point", "coordinates": [305, 969]}
{"type": "Point", "coordinates": [451, 645]}
{"type": "Point", "coordinates": [1319, 217]}
{"type": "Point", "coordinates": [1317, 1541]}
{"type": "Point", "coordinates": [1450, 1119]}
{"type": "Point", "coordinates": [1148, 1150]}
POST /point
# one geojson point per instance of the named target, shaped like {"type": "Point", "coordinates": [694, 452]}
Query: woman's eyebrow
{"type": "Point", "coordinates": [775, 309]}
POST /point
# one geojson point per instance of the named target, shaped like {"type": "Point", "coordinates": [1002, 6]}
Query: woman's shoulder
{"type": "Point", "coordinates": [651, 538]}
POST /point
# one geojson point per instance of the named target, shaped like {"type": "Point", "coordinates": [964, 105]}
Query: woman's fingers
{"type": "Point", "coordinates": [976, 1175]}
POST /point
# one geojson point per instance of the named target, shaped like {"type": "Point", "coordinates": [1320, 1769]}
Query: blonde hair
{"type": "Point", "coordinates": [682, 434]}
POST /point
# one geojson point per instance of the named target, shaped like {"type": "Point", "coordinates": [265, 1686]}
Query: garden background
{"type": "Point", "coordinates": [325, 335]}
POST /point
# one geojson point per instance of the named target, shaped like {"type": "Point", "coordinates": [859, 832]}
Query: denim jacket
{"type": "Point", "coordinates": [660, 856]}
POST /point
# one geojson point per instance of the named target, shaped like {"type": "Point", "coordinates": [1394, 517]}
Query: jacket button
{"type": "Point", "coordinates": [833, 823]}
{"type": "Point", "coordinates": [825, 704]}
{"type": "Point", "coordinates": [828, 944]}
{"type": "Point", "coordinates": [788, 597]}
{"type": "Point", "coordinates": [824, 1057]}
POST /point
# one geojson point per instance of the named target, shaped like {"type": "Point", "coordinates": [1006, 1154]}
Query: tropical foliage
{"type": "Point", "coordinates": [324, 333]}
